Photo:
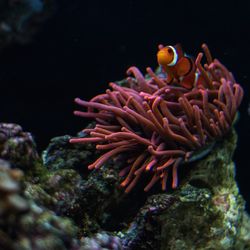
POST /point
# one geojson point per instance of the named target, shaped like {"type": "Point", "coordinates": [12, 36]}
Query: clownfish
{"type": "Point", "coordinates": [177, 65]}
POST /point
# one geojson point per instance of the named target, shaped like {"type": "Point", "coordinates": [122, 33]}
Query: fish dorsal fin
{"type": "Point", "coordinates": [179, 50]}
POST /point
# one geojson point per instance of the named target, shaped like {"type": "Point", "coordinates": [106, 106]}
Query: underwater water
{"type": "Point", "coordinates": [74, 49]}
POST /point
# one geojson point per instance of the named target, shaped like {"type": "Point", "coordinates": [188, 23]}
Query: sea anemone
{"type": "Point", "coordinates": [158, 126]}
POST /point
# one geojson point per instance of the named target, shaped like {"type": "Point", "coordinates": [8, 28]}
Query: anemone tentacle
{"type": "Point", "coordinates": [157, 125]}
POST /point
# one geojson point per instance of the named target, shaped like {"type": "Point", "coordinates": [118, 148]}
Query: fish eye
{"type": "Point", "coordinates": [170, 51]}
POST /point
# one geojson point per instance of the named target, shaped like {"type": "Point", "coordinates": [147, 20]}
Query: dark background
{"type": "Point", "coordinates": [86, 44]}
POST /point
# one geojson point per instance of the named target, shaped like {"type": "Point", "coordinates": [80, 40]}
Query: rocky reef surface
{"type": "Point", "coordinates": [55, 202]}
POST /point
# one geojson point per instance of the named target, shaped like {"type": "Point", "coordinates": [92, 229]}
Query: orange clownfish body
{"type": "Point", "coordinates": [177, 65]}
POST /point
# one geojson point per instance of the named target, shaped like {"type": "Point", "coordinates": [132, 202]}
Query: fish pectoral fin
{"type": "Point", "coordinates": [184, 66]}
